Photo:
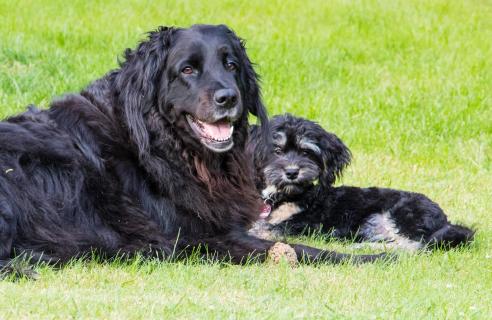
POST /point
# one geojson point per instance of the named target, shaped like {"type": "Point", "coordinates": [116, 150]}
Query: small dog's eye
{"type": "Point", "coordinates": [187, 70]}
{"type": "Point", "coordinates": [231, 66]}
{"type": "Point", "coordinates": [305, 153]}
{"type": "Point", "coordinates": [277, 150]}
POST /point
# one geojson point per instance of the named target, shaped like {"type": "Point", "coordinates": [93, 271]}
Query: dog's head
{"type": "Point", "coordinates": [301, 153]}
{"type": "Point", "coordinates": [199, 80]}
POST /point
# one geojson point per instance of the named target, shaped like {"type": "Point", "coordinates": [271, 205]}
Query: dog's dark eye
{"type": "Point", "coordinates": [231, 66]}
{"type": "Point", "coordinates": [278, 150]}
{"type": "Point", "coordinates": [187, 70]}
{"type": "Point", "coordinates": [305, 153]}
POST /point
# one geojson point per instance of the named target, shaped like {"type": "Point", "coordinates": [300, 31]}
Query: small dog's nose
{"type": "Point", "coordinates": [291, 173]}
{"type": "Point", "coordinates": [225, 97]}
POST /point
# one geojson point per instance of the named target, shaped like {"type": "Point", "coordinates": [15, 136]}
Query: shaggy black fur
{"type": "Point", "coordinates": [142, 160]}
{"type": "Point", "coordinates": [296, 172]}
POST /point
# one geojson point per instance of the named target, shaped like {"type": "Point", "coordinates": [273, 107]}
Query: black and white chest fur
{"type": "Point", "coordinates": [274, 217]}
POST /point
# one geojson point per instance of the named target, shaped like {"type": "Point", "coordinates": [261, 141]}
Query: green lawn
{"type": "Point", "coordinates": [406, 84]}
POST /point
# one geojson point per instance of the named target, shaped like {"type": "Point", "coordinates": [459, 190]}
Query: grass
{"type": "Point", "coordinates": [406, 84]}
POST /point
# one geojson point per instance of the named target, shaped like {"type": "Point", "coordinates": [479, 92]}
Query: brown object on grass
{"type": "Point", "coordinates": [281, 250]}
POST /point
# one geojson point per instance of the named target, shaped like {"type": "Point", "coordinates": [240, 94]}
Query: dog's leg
{"type": "Point", "coordinates": [451, 235]}
{"type": "Point", "coordinates": [241, 247]}
{"type": "Point", "coordinates": [308, 254]}
{"type": "Point", "coordinates": [7, 223]}
{"type": "Point", "coordinates": [420, 220]}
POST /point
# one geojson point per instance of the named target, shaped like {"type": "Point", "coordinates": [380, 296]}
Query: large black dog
{"type": "Point", "coordinates": [149, 159]}
{"type": "Point", "coordinates": [295, 175]}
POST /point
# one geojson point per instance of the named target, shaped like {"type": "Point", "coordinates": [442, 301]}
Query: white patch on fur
{"type": "Point", "coordinates": [284, 212]}
{"type": "Point", "coordinates": [308, 144]}
{"type": "Point", "coordinates": [268, 192]}
{"type": "Point", "coordinates": [292, 166]}
{"type": "Point", "coordinates": [280, 138]}
{"type": "Point", "coordinates": [380, 227]}
{"type": "Point", "coordinates": [261, 229]}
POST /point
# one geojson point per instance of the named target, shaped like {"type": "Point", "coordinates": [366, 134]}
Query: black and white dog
{"type": "Point", "coordinates": [295, 175]}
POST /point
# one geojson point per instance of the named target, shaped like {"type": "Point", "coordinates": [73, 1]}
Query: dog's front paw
{"type": "Point", "coordinates": [283, 251]}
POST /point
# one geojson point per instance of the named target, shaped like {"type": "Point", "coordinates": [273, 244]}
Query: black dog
{"type": "Point", "coordinates": [149, 159]}
{"type": "Point", "coordinates": [295, 174]}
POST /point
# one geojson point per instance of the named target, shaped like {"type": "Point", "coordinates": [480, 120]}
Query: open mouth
{"type": "Point", "coordinates": [216, 136]}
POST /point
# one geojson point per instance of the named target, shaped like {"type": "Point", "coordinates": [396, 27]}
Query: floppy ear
{"type": "Point", "coordinates": [250, 87]}
{"type": "Point", "coordinates": [137, 84]}
{"type": "Point", "coordinates": [256, 148]}
{"type": "Point", "coordinates": [252, 98]}
{"type": "Point", "coordinates": [336, 156]}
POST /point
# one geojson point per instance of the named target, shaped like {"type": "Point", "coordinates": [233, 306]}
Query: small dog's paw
{"type": "Point", "coordinates": [281, 251]}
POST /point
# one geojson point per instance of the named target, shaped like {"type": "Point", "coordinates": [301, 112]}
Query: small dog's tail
{"type": "Point", "coordinates": [451, 236]}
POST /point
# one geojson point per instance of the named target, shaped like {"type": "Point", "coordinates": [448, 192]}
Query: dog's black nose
{"type": "Point", "coordinates": [291, 173]}
{"type": "Point", "coordinates": [225, 97]}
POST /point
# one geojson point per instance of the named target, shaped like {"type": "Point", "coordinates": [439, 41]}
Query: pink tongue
{"type": "Point", "coordinates": [265, 211]}
{"type": "Point", "coordinates": [218, 130]}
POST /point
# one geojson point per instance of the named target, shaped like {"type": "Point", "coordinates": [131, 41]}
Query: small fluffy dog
{"type": "Point", "coordinates": [295, 175]}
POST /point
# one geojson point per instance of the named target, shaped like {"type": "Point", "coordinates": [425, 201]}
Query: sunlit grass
{"type": "Point", "coordinates": [406, 84]}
